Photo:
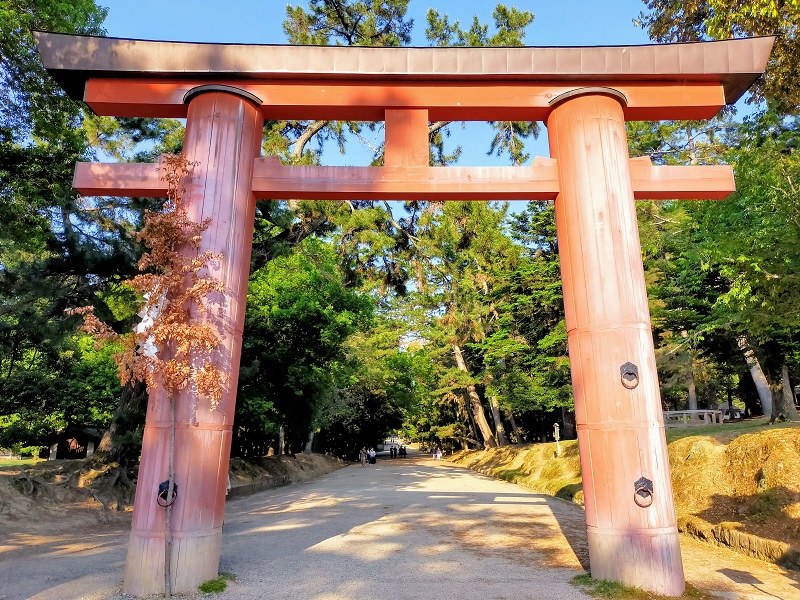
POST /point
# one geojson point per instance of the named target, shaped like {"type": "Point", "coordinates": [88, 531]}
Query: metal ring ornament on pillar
{"type": "Point", "coordinates": [629, 376]}
{"type": "Point", "coordinates": [643, 494]}
{"type": "Point", "coordinates": [163, 494]}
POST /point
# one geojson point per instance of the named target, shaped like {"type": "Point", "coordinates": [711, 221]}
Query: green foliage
{"type": "Point", "coordinates": [719, 274]}
{"type": "Point", "coordinates": [379, 391]}
{"type": "Point", "coordinates": [510, 29]}
{"type": "Point", "coordinates": [755, 234]}
{"type": "Point", "coordinates": [216, 586]}
{"type": "Point", "coordinates": [349, 23]}
{"type": "Point", "coordinates": [432, 417]}
{"type": "Point", "coordinates": [360, 417]}
{"type": "Point", "coordinates": [92, 387]}
{"type": "Point", "coordinates": [299, 316]}
{"type": "Point", "coordinates": [31, 103]}
{"type": "Point", "coordinates": [527, 351]}
{"type": "Point", "coordinates": [56, 250]}
{"type": "Point", "coordinates": [28, 451]}
{"type": "Point", "coordinates": [77, 386]}
{"type": "Point", "coordinates": [690, 257]}
{"type": "Point", "coordinates": [603, 588]}
{"type": "Point", "coordinates": [23, 429]}
{"type": "Point", "coordinates": [670, 21]}
{"type": "Point", "coordinates": [354, 334]}
{"type": "Point", "coordinates": [510, 25]}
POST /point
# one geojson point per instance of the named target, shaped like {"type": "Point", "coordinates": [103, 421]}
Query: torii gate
{"type": "Point", "coordinates": [584, 95]}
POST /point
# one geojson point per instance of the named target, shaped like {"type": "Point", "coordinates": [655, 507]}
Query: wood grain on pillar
{"type": "Point", "coordinates": [223, 136]}
{"type": "Point", "coordinates": [620, 431]}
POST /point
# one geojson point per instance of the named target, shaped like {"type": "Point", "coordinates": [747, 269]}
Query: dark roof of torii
{"type": "Point", "coordinates": [73, 59]}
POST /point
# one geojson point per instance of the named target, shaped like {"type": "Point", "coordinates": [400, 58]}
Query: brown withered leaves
{"type": "Point", "coordinates": [178, 339]}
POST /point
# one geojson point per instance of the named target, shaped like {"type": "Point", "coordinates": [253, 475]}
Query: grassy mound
{"type": "Point", "coordinates": [553, 469]}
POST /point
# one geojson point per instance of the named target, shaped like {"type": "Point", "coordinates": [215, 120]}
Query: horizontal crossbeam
{"type": "Point", "coordinates": [536, 182]}
{"type": "Point", "coordinates": [337, 100]}
{"type": "Point", "coordinates": [670, 182]}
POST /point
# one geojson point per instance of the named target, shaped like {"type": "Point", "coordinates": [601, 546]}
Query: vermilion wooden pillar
{"type": "Point", "coordinates": [223, 136]}
{"type": "Point", "coordinates": [620, 427]}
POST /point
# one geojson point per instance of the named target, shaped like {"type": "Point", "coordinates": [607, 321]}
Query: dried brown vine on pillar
{"type": "Point", "coordinates": [174, 279]}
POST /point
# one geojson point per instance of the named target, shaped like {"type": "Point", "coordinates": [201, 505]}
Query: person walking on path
{"type": "Point", "coordinates": [372, 456]}
{"type": "Point", "coordinates": [362, 456]}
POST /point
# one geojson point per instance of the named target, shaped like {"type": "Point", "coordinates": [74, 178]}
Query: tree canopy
{"type": "Point", "coordinates": [441, 320]}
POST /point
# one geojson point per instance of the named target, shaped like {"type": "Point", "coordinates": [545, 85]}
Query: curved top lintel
{"type": "Point", "coordinates": [604, 91]}
{"type": "Point", "coordinates": [215, 87]}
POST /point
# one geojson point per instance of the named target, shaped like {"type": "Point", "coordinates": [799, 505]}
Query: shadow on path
{"type": "Point", "coordinates": [402, 529]}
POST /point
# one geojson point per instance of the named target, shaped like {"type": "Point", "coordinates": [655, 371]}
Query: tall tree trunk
{"type": "Point", "coordinates": [468, 419]}
{"type": "Point", "coordinates": [692, 387]}
{"type": "Point", "coordinates": [475, 403]}
{"type": "Point", "coordinates": [783, 405]}
{"type": "Point", "coordinates": [516, 432]}
{"type": "Point", "coordinates": [129, 416]}
{"type": "Point", "coordinates": [499, 429]}
{"type": "Point", "coordinates": [568, 418]}
{"type": "Point", "coordinates": [310, 442]}
{"type": "Point", "coordinates": [309, 132]}
{"type": "Point", "coordinates": [692, 390]}
{"type": "Point", "coordinates": [762, 386]}
{"type": "Point", "coordinates": [746, 390]}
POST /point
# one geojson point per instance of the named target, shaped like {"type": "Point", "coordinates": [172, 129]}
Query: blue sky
{"type": "Point", "coordinates": [556, 23]}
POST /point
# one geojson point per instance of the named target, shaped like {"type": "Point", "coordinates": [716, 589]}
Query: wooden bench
{"type": "Point", "coordinates": [692, 418]}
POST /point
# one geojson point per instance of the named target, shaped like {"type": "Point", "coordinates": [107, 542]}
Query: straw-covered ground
{"type": "Point", "coordinates": [736, 485]}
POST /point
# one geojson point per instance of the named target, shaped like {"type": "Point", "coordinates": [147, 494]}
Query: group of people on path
{"type": "Point", "coordinates": [367, 456]}
{"type": "Point", "coordinates": [436, 453]}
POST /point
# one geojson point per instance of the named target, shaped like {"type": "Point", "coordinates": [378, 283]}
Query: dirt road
{"type": "Point", "coordinates": [402, 529]}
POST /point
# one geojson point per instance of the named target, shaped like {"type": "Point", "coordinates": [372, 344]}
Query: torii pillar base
{"type": "Point", "coordinates": [223, 136]}
{"type": "Point", "coordinates": [632, 533]}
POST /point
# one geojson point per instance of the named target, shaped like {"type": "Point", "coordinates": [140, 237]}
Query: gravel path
{"type": "Point", "coordinates": [402, 529]}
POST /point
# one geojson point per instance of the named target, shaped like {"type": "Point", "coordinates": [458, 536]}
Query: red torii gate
{"type": "Point", "coordinates": [583, 94]}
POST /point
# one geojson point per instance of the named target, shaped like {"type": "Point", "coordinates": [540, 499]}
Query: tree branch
{"type": "Point", "coordinates": [310, 131]}
{"type": "Point", "coordinates": [434, 127]}
{"type": "Point", "coordinates": [396, 224]}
